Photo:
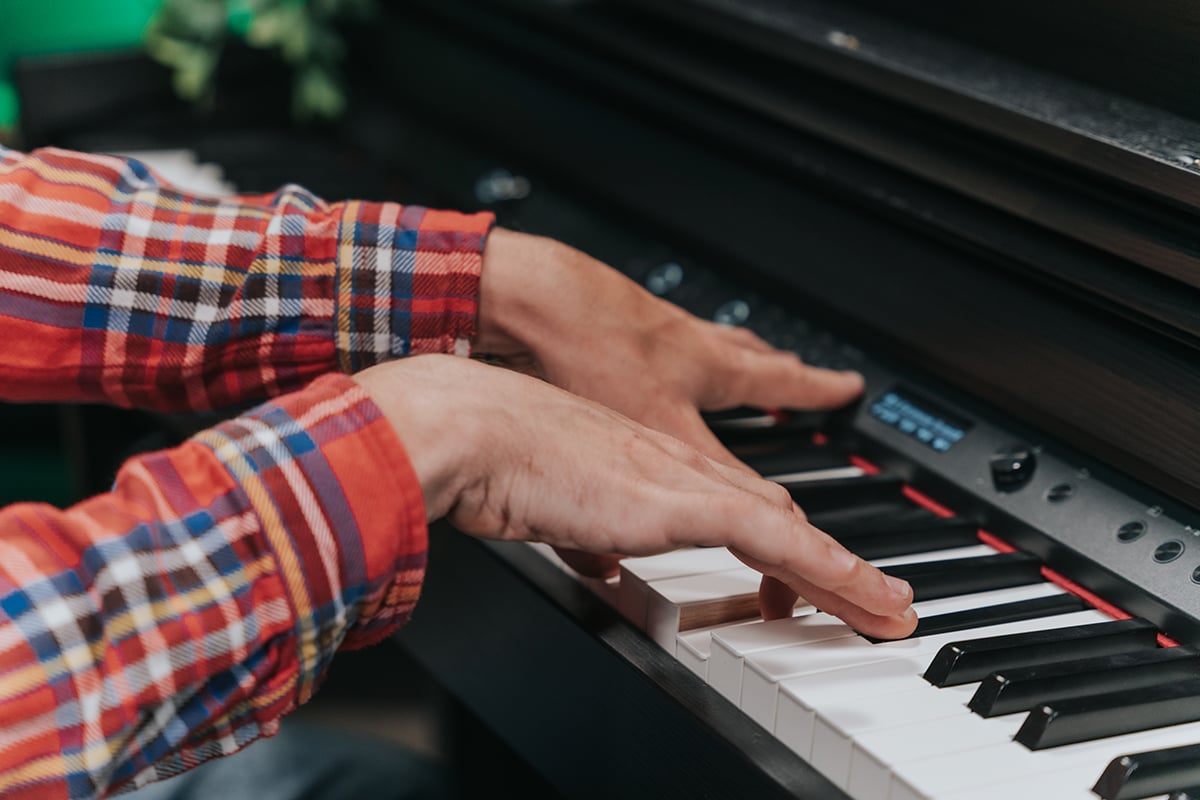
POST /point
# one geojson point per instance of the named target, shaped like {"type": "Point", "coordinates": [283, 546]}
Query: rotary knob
{"type": "Point", "coordinates": [1013, 467]}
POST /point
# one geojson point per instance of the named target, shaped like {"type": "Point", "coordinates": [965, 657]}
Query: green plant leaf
{"type": "Point", "coordinates": [318, 94]}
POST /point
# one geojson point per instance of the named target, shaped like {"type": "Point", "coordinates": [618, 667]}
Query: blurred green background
{"type": "Point", "coordinates": [41, 27]}
{"type": "Point", "coordinates": [33, 461]}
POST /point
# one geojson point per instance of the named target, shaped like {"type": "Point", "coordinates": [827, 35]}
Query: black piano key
{"type": "Point", "coordinates": [899, 524]}
{"type": "Point", "coordinates": [933, 579]}
{"type": "Point", "coordinates": [922, 536]}
{"type": "Point", "coordinates": [1099, 716]}
{"type": "Point", "coordinates": [1149, 774]}
{"type": "Point", "coordinates": [744, 425]}
{"type": "Point", "coordinates": [1011, 690]}
{"type": "Point", "coordinates": [794, 459]}
{"type": "Point", "coordinates": [973, 660]}
{"type": "Point", "coordinates": [818, 496]}
{"type": "Point", "coordinates": [1000, 613]}
{"type": "Point", "coordinates": [896, 512]}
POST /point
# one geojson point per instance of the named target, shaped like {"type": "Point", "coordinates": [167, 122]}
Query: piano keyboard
{"type": "Point", "coordinates": [1012, 685]}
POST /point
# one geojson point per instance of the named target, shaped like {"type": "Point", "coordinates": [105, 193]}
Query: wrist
{"type": "Point", "coordinates": [423, 400]}
{"type": "Point", "coordinates": [517, 280]}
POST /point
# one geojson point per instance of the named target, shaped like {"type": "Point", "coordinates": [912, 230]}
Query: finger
{"type": "Point", "coordinates": [781, 380]}
{"type": "Point", "coordinates": [882, 626]}
{"type": "Point", "coordinates": [735, 473]}
{"type": "Point", "coordinates": [776, 600]}
{"type": "Point", "coordinates": [744, 337]}
{"type": "Point", "coordinates": [591, 565]}
{"type": "Point", "coordinates": [784, 545]}
{"type": "Point", "coordinates": [685, 423]}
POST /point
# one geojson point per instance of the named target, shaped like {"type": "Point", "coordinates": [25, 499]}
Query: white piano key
{"type": "Point", "coordinates": [875, 752]}
{"type": "Point", "coordinates": [700, 601]}
{"type": "Point", "coordinates": [692, 648]}
{"type": "Point", "coordinates": [607, 588]}
{"type": "Point", "coordinates": [837, 728]}
{"type": "Point", "coordinates": [952, 773]}
{"type": "Point", "coordinates": [893, 739]}
{"type": "Point", "coordinates": [637, 573]}
{"type": "Point", "coordinates": [730, 649]}
{"type": "Point", "coordinates": [764, 671]}
{"type": "Point", "coordinates": [1054, 785]}
{"type": "Point", "coordinates": [795, 715]}
{"type": "Point", "coordinates": [816, 475]}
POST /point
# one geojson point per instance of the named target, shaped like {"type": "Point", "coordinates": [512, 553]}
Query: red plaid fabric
{"type": "Point", "coordinates": [179, 616]}
{"type": "Point", "coordinates": [117, 288]}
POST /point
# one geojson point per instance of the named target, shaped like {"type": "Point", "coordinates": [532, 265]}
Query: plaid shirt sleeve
{"type": "Point", "coordinates": [116, 288]}
{"type": "Point", "coordinates": [179, 616]}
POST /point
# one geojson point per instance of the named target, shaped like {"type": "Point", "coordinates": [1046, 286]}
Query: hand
{"type": "Point", "coordinates": [505, 456]}
{"type": "Point", "coordinates": [552, 311]}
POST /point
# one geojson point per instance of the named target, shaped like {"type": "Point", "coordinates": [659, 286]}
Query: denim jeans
{"type": "Point", "coordinates": [308, 762]}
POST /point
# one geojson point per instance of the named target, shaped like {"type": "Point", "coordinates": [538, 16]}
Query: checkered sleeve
{"type": "Point", "coordinates": [179, 616]}
{"type": "Point", "coordinates": [115, 287]}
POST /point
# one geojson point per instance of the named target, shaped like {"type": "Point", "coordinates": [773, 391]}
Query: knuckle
{"type": "Point", "coordinates": [780, 496]}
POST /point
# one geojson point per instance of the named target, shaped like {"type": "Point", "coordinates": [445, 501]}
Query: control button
{"type": "Point", "coordinates": [1131, 531]}
{"type": "Point", "coordinates": [733, 313]}
{"type": "Point", "coordinates": [1060, 493]}
{"type": "Point", "coordinates": [1196, 575]}
{"type": "Point", "coordinates": [1167, 552]}
{"type": "Point", "coordinates": [500, 185]}
{"type": "Point", "coordinates": [1012, 468]}
{"type": "Point", "coordinates": [664, 278]}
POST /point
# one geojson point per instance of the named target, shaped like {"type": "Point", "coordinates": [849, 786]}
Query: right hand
{"type": "Point", "coordinates": [505, 456]}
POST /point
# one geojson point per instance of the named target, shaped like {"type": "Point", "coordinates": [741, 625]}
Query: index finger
{"type": "Point", "coordinates": [781, 380]}
{"type": "Point", "coordinates": [782, 544]}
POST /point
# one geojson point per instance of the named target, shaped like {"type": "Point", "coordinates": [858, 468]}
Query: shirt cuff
{"type": "Point", "coordinates": [341, 509]}
{"type": "Point", "coordinates": [406, 281]}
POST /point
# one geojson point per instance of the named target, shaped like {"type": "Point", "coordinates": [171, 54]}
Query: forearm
{"type": "Point", "coordinates": [182, 614]}
{"type": "Point", "coordinates": [117, 288]}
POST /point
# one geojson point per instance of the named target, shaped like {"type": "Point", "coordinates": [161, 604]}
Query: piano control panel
{"type": "Point", "coordinates": [1081, 512]}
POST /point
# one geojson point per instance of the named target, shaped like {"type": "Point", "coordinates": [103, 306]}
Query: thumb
{"type": "Point", "coordinates": [781, 380]}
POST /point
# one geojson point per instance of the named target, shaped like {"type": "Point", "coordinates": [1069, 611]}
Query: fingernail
{"type": "Point", "coordinates": [899, 587]}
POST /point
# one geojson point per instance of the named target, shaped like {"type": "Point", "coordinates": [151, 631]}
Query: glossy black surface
{"type": "Point", "coordinates": [816, 497]}
{"type": "Point", "coordinates": [1098, 716]}
{"type": "Point", "coordinates": [1083, 358]}
{"type": "Point", "coordinates": [1140, 775]}
{"type": "Point", "coordinates": [965, 662]}
{"type": "Point", "coordinates": [1020, 689]}
{"type": "Point", "coordinates": [597, 707]}
{"type": "Point", "coordinates": [983, 616]}
{"type": "Point", "coordinates": [920, 536]}
{"type": "Point", "coordinates": [934, 579]}
{"type": "Point", "coordinates": [787, 460]}
{"type": "Point", "coordinates": [1013, 468]}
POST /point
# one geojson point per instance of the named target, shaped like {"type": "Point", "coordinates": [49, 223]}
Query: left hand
{"type": "Point", "coordinates": [555, 312]}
